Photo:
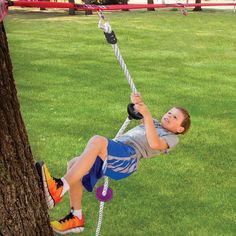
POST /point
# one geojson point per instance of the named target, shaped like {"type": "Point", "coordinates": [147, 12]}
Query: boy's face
{"type": "Point", "coordinates": [172, 120]}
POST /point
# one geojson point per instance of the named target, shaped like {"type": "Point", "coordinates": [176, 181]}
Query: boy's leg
{"type": "Point", "coordinates": [97, 146]}
{"type": "Point", "coordinates": [76, 190]}
{"type": "Point", "coordinates": [74, 221]}
{"type": "Point", "coordinates": [55, 188]}
{"type": "Point", "coordinates": [75, 194]}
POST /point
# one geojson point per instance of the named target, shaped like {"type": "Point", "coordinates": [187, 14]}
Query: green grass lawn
{"type": "Point", "coordinates": [71, 87]}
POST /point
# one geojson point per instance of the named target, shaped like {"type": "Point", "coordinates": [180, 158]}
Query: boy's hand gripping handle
{"type": "Point", "coordinates": [132, 113]}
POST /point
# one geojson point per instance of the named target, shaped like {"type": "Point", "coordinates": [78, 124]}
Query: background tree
{"type": "Point", "coordinates": [198, 8]}
{"type": "Point", "coordinates": [23, 210]}
{"type": "Point", "coordinates": [72, 10]}
{"type": "Point", "coordinates": [150, 2]}
{"type": "Point", "coordinates": [88, 12]}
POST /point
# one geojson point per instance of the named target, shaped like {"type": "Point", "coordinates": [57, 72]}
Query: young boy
{"type": "Point", "coordinates": [116, 159]}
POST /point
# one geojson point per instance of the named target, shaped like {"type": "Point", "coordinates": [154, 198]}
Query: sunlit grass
{"type": "Point", "coordinates": [71, 87]}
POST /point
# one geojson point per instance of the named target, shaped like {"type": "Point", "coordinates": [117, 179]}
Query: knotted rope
{"type": "Point", "coordinates": [105, 26]}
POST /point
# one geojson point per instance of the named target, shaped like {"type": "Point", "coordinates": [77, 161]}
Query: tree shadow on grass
{"type": "Point", "coordinates": [32, 13]}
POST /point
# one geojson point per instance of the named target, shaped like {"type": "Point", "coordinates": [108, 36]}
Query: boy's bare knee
{"type": "Point", "coordinates": [98, 140]}
{"type": "Point", "coordinates": [101, 143]}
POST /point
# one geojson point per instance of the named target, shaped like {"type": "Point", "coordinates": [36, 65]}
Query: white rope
{"type": "Point", "coordinates": [100, 215]}
{"type": "Point", "coordinates": [124, 67]}
{"type": "Point", "coordinates": [105, 188]}
{"type": "Point", "coordinates": [183, 9]}
{"type": "Point", "coordinates": [122, 129]}
{"type": "Point", "coordinates": [107, 29]}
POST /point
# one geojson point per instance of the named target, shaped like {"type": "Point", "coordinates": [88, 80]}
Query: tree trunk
{"type": "Point", "coordinates": [150, 2]}
{"type": "Point", "coordinates": [71, 10]}
{"type": "Point", "coordinates": [43, 9]}
{"type": "Point", "coordinates": [197, 8]}
{"type": "Point", "coordinates": [23, 210]}
{"type": "Point", "coordinates": [88, 12]}
{"type": "Point", "coordinates": [123, 2]}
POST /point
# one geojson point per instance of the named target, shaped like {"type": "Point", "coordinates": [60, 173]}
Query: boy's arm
{"type": "Point", "coordinates": [154, 141]}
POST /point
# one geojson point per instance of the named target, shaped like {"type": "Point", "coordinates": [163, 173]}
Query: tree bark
{"type": "Point", "coordinates": [23, 210]}
{"type": "Point", "coordinates": [198, 8]}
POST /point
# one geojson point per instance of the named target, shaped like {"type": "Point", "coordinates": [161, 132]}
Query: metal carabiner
{"type": "Point", "coordinates": [103, 23]}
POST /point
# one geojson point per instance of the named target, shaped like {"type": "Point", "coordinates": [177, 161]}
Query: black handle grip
{"type": "Point", "coordinates": [132, 113]}
{"type": "Point", "coordinates": [111, 37]}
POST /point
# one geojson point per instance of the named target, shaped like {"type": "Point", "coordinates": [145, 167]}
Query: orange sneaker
{"type": "Point", "coordinates": [52, 187]}
{"type": "Point", "coordinates": [69, 224]}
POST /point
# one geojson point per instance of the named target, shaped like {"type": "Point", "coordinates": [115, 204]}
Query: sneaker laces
{"type": "Point", "coordinates": [58, 182]}
{"type": "Point", "coordinates": [68, 217]}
